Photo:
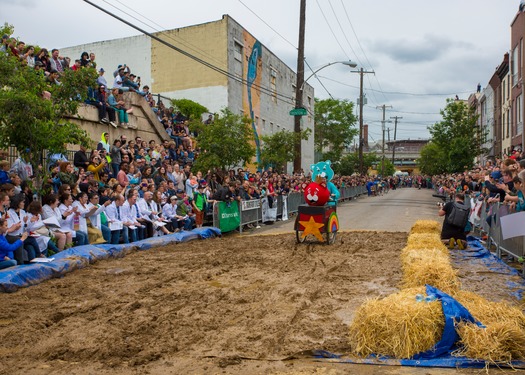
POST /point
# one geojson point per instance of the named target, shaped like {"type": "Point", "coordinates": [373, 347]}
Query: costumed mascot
{"type": "Point", "coordinates": [320, 215]}
{"type": "Point", "coordinates": [322, 174]}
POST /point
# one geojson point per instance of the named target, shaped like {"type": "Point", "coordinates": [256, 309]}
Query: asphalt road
{"type": "Point", "coordinates": [395, 211]}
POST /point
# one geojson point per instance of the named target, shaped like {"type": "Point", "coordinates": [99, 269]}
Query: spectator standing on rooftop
{"type": "Point", "coordinates": [101, 80]}
{"type": "Point", "coordinates": [84, 59]}
{"type": "Point", "coordinates": [92, 63]}
{"type": "Point", "coordinates": [56, 62]}
{"type": "Point", "coordinates": [29, 56]}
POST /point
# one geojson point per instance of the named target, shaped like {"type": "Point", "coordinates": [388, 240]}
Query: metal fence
{"type": "Point", "coordinates": [490, 224]}
{"type": "Point", "coordinates": [250, 212]}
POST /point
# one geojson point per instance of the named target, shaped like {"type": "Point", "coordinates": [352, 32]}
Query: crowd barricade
{"type": "Point", "coordinates": [514, 246]}
{"type": "Point", "coordinates": [247, 212]}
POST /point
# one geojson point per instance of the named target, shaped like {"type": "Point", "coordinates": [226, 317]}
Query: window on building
{"type": "Point", "coordinates": [271, 127]}
{"type": "Point", "coordinates": [519, 115]}
{"type": "Point", "coordinates": [263, 124]}
{"type": "Point", "coordinates": [257, 122]}
{"type": "Point", "coordinates": [515, 64]}
{"type": "Point", "coordinates": [293, 94]}
{"type": "Point", "coordinates": [237, 56]}
{"type": "Point", "coordinates": [273, 83]}
{"type": "Point", "coordinates": [508, 123]}
{"type": "Point", "coordinates": [309, 101]}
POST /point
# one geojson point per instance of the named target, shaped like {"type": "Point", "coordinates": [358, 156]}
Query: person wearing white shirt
{"type": "Point", "coordinates": [84, 211]}
{"type": "Point", "coordinates": [37, 228]}
{"type": "Point", "coordinates": [64, 239]}
{"type": "Point", "coordinates": [150, 212]}
{"type": "Point", "coordinates": [131, 216]}
{"type": "Point", "coordinates": [169, 211]}
{"type": "Point", "coordinates": [99, 218]}
{"type": "Point", "coordinates": [115, 220]}
{"type": "Point", "coordinates": [18, 218]}
{"type": "Point", "coordinates": [69, 217]}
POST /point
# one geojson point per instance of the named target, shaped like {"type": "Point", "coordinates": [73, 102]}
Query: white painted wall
{"type": "Point", "coordinates": [215, 98]}
{"type": "Point", "coordinates": [134, 51]}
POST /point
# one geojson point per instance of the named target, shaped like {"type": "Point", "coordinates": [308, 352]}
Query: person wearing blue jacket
{"type": "Point", "coordinates": [7, 248]}
{"type": "Point", "coordinates": [4, 174]}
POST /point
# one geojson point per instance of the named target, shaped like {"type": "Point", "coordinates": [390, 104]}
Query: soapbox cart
{"type": "Point", "coordinates": [319, 221]}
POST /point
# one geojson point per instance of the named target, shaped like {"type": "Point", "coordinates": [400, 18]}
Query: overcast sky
{"type": "Point", "coordinates": [422, 52]}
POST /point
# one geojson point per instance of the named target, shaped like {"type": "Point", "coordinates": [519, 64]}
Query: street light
{"type": "Point", "coordinates": [299, 111]}
{"type": "Point", "coordinates": [349, 63]}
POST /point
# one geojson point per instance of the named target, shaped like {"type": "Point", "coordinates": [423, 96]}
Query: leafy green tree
{"type": "Point", "coordinates": [456, 140]}
{"type": "Point", "coordinates": [225, 143]}
{"type": "Point", "coordinates": [349, 163]}
{"type": "Point", "coordinates": [433, 159]}
{"type": "Point", "coordinates": [388, 170]}
{"type": "Point", "coordinates": [34, 113]}
{"type": "Point", "coordinates": [278, 148]}
{"type": "Point", "coordinates": [193, 111]}
{"type": "Point", "coordinates": [334, 127]}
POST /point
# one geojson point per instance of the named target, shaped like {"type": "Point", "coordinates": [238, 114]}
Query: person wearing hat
{"type": "Point", "coordinates": [184, 210]}
{"type": "Point", "coordinates": [169, 212]}
{"type": "Point", "coordinates": [101, 80]}
{"type": "Point", "coordinates": [200, 203]}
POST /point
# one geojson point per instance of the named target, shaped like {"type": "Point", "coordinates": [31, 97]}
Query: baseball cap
{"type": "Point", "coordinates": [179, 191]}
{"type": "Point", "coordinates": [101, 70]}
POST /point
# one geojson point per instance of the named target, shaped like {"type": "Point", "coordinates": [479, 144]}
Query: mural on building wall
{"type": "Point", "coordinates": [252, 102]}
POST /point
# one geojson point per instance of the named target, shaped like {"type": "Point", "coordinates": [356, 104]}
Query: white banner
{"type": "Point", "coordinates": [250, 205]}
{"type": "Point", "coordinates": [512, 225]}
{"type": "Point", "coordinates": [285, 207]}
{"type": "Point", "coordinates": [268, 214]}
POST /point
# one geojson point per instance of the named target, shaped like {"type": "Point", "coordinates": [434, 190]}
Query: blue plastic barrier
{"type": "Point", "coordinates": [11, 279]}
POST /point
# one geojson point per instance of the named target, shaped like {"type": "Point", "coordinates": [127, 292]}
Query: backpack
{"type": "Point", "coordinates": [458, 217]}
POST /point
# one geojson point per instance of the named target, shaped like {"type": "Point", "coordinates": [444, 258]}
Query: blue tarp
{"type": "Point", "coordinates": [11, 279]}
{"type": "Point", "coordinates": [440, 355]}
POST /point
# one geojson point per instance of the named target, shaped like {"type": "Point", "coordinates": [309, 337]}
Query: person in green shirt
{"type": "Point", "coordinates": [200, 203]}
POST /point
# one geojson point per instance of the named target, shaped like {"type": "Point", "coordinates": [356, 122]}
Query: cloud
{"type": "Point", "coordinates": [18, 3]}
{"type": "Point", "coordinates": [429, 48]}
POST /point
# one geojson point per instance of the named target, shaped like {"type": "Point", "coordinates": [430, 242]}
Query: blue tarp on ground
{"type": "Point", "coordinates": [440, 355]}
{"type": "Point", "coordinates": [11, 279]}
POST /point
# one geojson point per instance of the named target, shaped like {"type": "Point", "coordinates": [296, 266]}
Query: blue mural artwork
{"type": "Point", "coordinates": [250, 78]}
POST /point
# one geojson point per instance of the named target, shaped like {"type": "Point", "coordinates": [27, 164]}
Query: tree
{"type": "Point", "coordinates": [432, 160]}
{"type": "Point", "coordinates": [349, 164]}
{"type": "Point", "coordinates": [455, 141]}
{"type": "Point", "coordinates": [388, 168]}
{"type": "Point", "coordinates": [34, 121]}
{"type": "Point", "coordinates": [334, 127]}
{"type": "Point", "coordinates": [189, 108]}
{"type": "Point", "coordinates": [225, 143]}
{"type": "Point", "coordinates": [278, 148]}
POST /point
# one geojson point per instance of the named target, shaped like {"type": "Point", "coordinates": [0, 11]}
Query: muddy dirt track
{"type": "Point", "coordinates": [233, 305]}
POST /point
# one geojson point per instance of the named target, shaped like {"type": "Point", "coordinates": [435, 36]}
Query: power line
{"type": "Point", "coordinates": [315, 75]}
{"type": "Point", "coordinates": [397, 92]}
{"type": "Point", "coordinates": [264, 90]}
{"type": "Point", "coordinates": [271, 28]}
{"type": "Point", "coordinates": [331, 30]}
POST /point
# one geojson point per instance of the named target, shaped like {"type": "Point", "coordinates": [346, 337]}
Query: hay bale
{"type": "Point", "coordinates": [397, 326]}
{"type": "Point", "coordinates": [435, 271]}
{"type": "Point", "coordinates": [425, 241]}
{"type": "Point", "coordinates": [426, 226]}
{"type": "Point", "coordinates": [408, 254]}
{"type": "Point", "coordinates": [498, 343]}
{"type": "Point", "coordinates": [488, 312]}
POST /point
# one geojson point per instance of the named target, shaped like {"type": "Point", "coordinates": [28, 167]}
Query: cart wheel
{"type": "Point", "coordinates": [299, 237]}
{"type": "Point", "coordinates": [330, 237]}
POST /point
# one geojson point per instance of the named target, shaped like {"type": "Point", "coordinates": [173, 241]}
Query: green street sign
{"type": "Point", "coordinates": [298, 112]}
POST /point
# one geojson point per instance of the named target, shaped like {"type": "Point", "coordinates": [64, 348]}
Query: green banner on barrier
{"type": "Point", "coordinates": [229, 218]}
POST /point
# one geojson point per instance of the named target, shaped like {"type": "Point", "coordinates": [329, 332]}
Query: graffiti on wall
{"type": "Point", "coordinates": [252, 104]}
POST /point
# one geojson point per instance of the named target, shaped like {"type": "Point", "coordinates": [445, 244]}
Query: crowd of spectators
{"type": "Point", "coordinates": [123, 190]}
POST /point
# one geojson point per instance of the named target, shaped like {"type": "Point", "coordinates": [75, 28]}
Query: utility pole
{"type": "Point", "coordinates": [362, 72]}
{"type": "Point", "coordinates": [395, 131]}
{"type": "Point", "coordinates": [383, 107]}
{"type": "Point", "coordinates": [299, 88]}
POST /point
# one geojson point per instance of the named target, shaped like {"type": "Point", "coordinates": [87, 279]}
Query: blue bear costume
{"type": "Point", "coordinates": [323, 169]}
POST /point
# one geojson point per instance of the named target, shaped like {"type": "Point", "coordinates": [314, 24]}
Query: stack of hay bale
{"type": "Point", "coordinates": [407, 323]}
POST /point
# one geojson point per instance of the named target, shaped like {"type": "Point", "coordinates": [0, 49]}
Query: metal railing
{"type": "Point", "coordinates": [250, 212]}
